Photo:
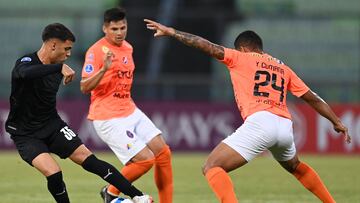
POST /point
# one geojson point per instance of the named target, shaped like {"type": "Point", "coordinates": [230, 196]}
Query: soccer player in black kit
{"type": "Point", "coordinates": [35, 125]}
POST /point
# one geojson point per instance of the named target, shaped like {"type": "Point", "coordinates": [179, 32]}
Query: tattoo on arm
{"type": "Point", "coordinates": [204, 45]}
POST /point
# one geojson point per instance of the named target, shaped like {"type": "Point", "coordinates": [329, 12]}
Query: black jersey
{"type": "Point", "coordinates": [34, 86]}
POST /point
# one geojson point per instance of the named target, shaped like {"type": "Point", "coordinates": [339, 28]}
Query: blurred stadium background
{"type": "Point", "coordinates": [188, 94]}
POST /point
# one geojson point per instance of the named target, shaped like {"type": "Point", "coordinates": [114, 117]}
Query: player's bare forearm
{"type": "Point", "coordinates": [324, 109]}
{"type": "Point", "coordinates": [204, 45]}
{"type": "Point", "coordinates": [90, 83]}
{"type": "Point", "coordinates": [320, 106]}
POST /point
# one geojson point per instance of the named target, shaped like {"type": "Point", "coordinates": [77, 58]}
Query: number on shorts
{"type": "Point", "coordinates": [68, 133]}
{"type": "Point", "coordinates": [266, 82]}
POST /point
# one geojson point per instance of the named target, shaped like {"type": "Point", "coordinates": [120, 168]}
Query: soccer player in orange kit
{"type": "Point", "coordinates": [108, 75]}
{"type": "Point", "coordinates": [260, 84]}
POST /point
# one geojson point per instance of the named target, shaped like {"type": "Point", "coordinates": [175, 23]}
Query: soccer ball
{"type": "Point", "coordinates": [121, 200]}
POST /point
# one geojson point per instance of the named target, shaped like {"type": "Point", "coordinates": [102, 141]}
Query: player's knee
{"type": "Point", "coordinates": [294, 165]}
{"type": "Point", "coordinates": [45, 164]}
{"type": "Point", "coordinates": [290, 165]}
{"type": "Point", "coordinates": [144, 154]}
{"type": "Point", "coordinates": [50, 171]}
{"type": "Point", "coordinates": [148, 155]}
{"type": "Point", "coordinates": [80, 154]}
{"type": "Point", "coordinates": [157, 145]}
{"type": "Point", "coordinates": [164, 153]}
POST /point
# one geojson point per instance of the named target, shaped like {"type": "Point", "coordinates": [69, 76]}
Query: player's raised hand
{"type": "Point", "coordinates": [340, 128]}
{"type": "Point", "coordinates": [108, 60]}
{"type": "Point", "coordinates": [68, 73]}
{"type": "Point", "coordinates": [160, 30]}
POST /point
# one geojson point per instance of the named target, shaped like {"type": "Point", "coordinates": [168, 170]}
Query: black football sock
{"type": "Point", "coordinates": [109, 173]}
{"type": "Point", "coordinates": [57, 188]}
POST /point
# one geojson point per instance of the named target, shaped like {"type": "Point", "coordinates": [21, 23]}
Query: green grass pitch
{"type": "Point", "coordinates": [262, 180]}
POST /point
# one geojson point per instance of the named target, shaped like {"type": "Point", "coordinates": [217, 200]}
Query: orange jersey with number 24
{"type": "Point", "coordinates": [261, 82]}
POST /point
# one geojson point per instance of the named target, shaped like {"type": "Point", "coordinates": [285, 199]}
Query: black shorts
{"type": "Point", "coordinates": [61, 140]}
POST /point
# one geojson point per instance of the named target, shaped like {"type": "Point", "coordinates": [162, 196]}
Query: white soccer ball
{"type": "Point", "coordinates": [121, 200]}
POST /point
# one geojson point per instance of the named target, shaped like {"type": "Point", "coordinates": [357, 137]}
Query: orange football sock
{"type": "Point", "coordinates": [221, 184]}
{"type": "Point", "coordinates": [163, 175]}
{"type": "Point", "coordinates": [132, 172]}
{"type": "Point", "coordinates": [311, 181]}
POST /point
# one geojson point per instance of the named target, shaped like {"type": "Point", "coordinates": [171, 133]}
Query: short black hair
{"type": "Point", "coordinates": [58, 31]}
{"type": "Point", "coordinates": [114, 14]}
{"type": "Point", "coordinates": [248, 39]}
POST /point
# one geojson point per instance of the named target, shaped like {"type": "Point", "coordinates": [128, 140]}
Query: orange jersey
{"type": "Point", "coordinates": [112, 97]}
{"type": "Point", "coordinates": [261, 82]}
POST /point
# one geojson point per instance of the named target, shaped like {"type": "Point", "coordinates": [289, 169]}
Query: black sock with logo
{"type": "Point", "coordinates": [109, 173]}
{"type": "Point", "coordinates": [57, 187]}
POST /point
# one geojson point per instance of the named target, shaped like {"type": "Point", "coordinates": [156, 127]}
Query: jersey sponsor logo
{"type": "Point", "coordinates": [25, 59]}
{"type": "Point", "coordinates": [121, 95]}
{"type": "Point", "coordinates": [89, 68]}
{"type": "Point", "coordinates": [125, 74]}
{"type": "Point", "coordinates": [125, 60]}
{"type": "Point", "coordinates": [129, 134]}
{"type": "Point", "coordinates": [128, 146]}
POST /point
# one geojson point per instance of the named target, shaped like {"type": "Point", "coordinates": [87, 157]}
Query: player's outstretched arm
{"type": "Point", "coordinates": [26, 71]}
{"type": "Point", "coordinates": [324, 109]}
{"type": "Point", "coordinates": [191, 40]}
